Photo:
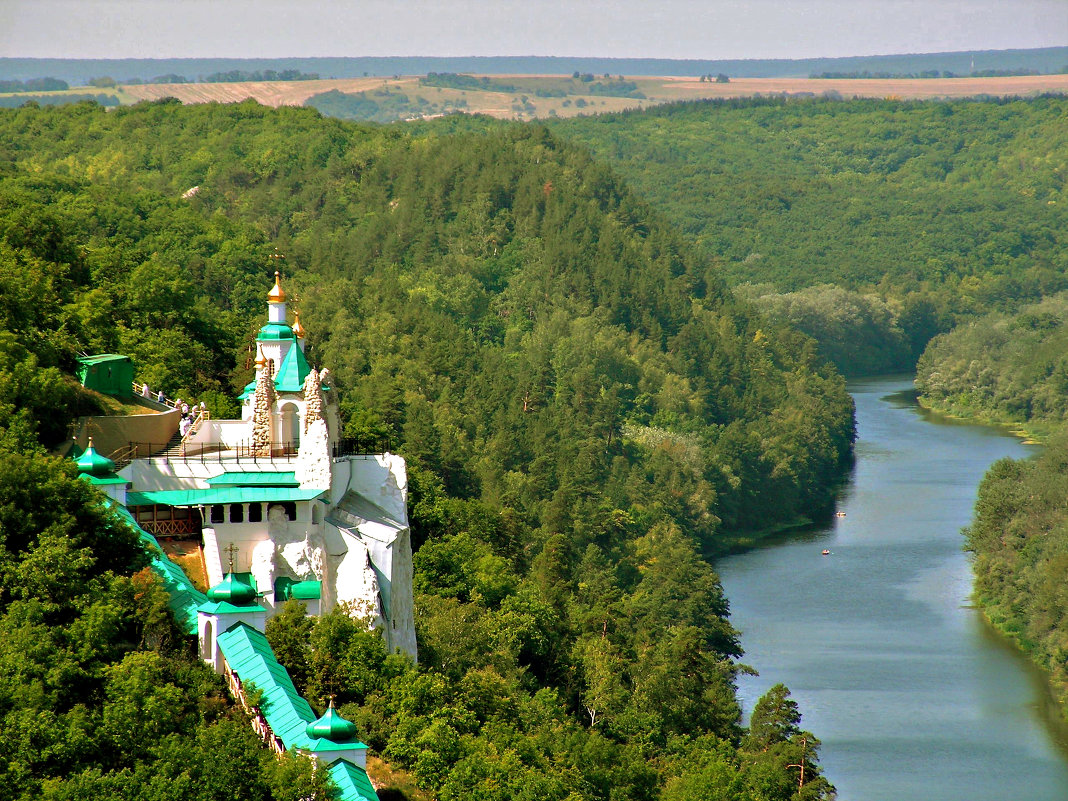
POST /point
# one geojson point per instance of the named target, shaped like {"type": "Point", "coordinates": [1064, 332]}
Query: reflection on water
{"type": "Point", "coordinates": [912, 694]}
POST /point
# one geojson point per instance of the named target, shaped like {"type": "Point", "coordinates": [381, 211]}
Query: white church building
{"type": "Point", "coordinates": [299, 511]}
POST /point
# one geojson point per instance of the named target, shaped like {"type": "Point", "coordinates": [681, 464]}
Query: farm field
{"type": "Point", "coordinates": [523, 103]}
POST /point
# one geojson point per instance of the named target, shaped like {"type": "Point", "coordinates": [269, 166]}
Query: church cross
{"type": "Point", "coordinates": [231, 549]}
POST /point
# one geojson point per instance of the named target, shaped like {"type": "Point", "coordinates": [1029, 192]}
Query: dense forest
{"type": "Point", "coordinates": [1020, 541]}
{"type": "Point", "coordinates": [587, 414]}
{"type": "Point", "coordinates": [15, 101]}
{"type": "Point", "coordinates": [874, 226]}
{"type": "Point", "coordinates": [1013, 369]}
{"type": "Point", "coordinates": [1010, 368]}
{"type": "Point", "coordinates": [925, 213]}
{"type": "Point", "coordinates": [385, 104]}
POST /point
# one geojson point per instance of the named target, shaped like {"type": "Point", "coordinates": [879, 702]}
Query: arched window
{"type": "Point", "coordinates": [290, 426]}
{"type": "Point", "coordinates": [255, 513]}
{"type": "Point", "coordinates": [205, 645]}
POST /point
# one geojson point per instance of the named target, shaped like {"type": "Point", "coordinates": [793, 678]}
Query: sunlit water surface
{"type": "Point", "coordinates": [913, 696]}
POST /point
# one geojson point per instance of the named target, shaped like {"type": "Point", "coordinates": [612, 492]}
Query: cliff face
{"type": "Point", "coordinates": [374, 571]}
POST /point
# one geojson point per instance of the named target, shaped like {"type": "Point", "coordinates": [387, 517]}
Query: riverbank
{"type": "Point", "coordinates": [1020, 540]}
{"type": "Point", "coordinates": [1056, 679]}
{"type": "Point", "coordinates": [1031, 433]}
{"type": "Point", "coordinates": [732, 544]}
{"type": "Point", "coordinates": [999, 612]}
{"type": "Point", "coordinates": [889, 662]}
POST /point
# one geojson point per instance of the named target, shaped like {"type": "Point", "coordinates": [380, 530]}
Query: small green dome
{"type": "Point", "coordinates": [234, 590]}
{"type": "Point", "coordinates": [93, 463]}
{"type": "Point", "coordinates": [331, 726]}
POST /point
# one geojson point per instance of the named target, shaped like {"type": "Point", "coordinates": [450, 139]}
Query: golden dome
{"type": "Point", "coordinates": [298, 329]}
{"type": "Point", "coordinates": [277, 294]}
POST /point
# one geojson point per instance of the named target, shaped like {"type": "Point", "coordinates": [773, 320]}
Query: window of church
{"type": "Point", "coordinates": [218, 513]}
{"type": "Point", "coordinates": [255, 513]}
{"type": "Point", "coordinates": [206, 642]}
{"type": "Point", "coordinates": [237, 513]}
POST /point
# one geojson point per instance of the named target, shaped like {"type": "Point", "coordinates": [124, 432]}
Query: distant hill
{"type": "Point", "coordinates": [943, 210]}
{"type": "Point", "coordinates": [79, 71]}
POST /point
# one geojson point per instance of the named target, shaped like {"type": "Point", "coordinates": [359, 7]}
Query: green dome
{"type": "Point", "coordinates": [234, 590]}
{"type": "Point", "coordinates": [93, 463]}
{"type": "Point", "coordinates": [275, 331]}
{"type": "Point", "coordinates": [331, 726]}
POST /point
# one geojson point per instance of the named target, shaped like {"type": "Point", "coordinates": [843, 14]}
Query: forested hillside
{"type": "Point", "coordinates": [1020, 541]}
{"type": "Point", "coordinates": [942, 210]}
{"type": "Point", "coordinates": [586, 412]}
{"type": "Point", "coordinates": [1007, 368]}
{"type": "Point", "coordinates": [1014, 369]}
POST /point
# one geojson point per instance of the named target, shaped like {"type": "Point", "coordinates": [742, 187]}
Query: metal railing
{"type": "Point", "coordinates": [194, 427]}
{"type": "Point", "coordinates": [246, 450]}
{"type": "Point", "coordinates": [123, 456]}
{"type": "Point", "coordinates": [362, 446]}
{"type": "Point", "coordinates": [156, 397]}
{"type": "Point", "coordinates": [259, 722]}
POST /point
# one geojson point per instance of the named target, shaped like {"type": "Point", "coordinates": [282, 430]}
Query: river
{"type": "Point", "coordinates": [912, 694]}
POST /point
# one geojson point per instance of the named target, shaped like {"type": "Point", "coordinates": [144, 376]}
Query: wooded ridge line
{"type": "Point", "coordinates": [585, 410]}
{"type": "Point", "coordinates": [1045, 60]}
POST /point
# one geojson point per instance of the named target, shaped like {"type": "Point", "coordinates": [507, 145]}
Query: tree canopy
{"type": "Point", "coordinates": [587, 414]}
{"type": "Point", "coordinates": [945, 210]}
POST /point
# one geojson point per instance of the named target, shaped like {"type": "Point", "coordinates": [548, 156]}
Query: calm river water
{"type": "Point", "coordinates": [912, 695]}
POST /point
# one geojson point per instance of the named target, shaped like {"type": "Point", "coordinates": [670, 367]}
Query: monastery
{"type": "Point", "coordinates": [285, 509]}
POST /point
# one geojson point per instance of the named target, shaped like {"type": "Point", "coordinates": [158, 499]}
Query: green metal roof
{"type": "Point", "coordinates": [295, 368]}
{"type": "Point", "coordinates": [306, 590]}
{"type": "Point", "coordinates": [102, 357]}
{"type": "Point", "coordinates": [285, 588]}
{"type": "Point", "coordinates": [276, 331]}
{"type": "Point", "coordinates": [332, 726]}
{"type": "Point", "coordinates": [326, 746]}
{"type": "Point", "coordinates": [94, 463]}
{"type": "Point", "coordinates": [101, 480]}
{"type": "Point", "coordinates": [250, 656]}
{"type": "Point", "coordinates": [290, 376]}
{"type": "Point", "coordinates": [233, 590]}
{"type": "Point", "coordinates": [352, 781]}
{"type": "Point", "coordinates": [249, 579]}
{"type": "Point", "coordinates": [184, 597]}
{"type": "Point", "coordinates": [226, 608]}
{"type": "Point", "coordinates": [213, 495]}
{"type": "Point", "coordinates": [268, 478]}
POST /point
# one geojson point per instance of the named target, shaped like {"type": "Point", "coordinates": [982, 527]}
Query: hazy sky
{"type": "Point", "coordinates": [709, 29]}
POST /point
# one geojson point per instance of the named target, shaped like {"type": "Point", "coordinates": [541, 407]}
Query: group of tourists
{"type": "Point", "coordinates": [158, 397]}
{"type": "Point", "coordinates": [189, 413]}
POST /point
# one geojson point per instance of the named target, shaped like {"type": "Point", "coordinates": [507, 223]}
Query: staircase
{"type": "Point", "coordinates": [123, 456]}
{"type": "Point", "coordinates": [173, 446]}
{"type": "Point", "coordinates": [176, 446]}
